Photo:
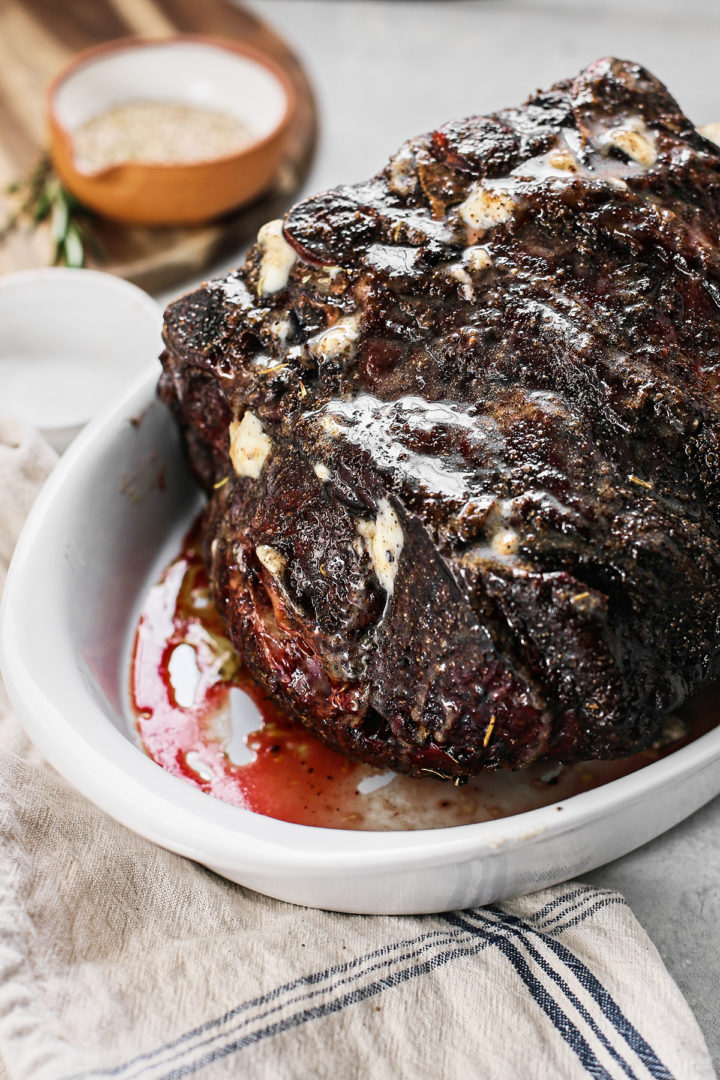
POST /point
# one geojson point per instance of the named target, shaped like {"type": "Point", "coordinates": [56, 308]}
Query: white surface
{"type": "Point", "coordinates": [181, 72]}
{"type": "Point", "coordinates": [70, 342]}
{"type": "Point", "coordinates": [67, 618]}
{"type": "Point", "coordinates": [384, 71]}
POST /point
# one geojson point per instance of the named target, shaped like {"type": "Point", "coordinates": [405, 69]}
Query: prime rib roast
{"type": "Point", "coordinates": [459, 427]}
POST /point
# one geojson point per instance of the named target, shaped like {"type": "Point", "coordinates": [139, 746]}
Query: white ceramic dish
{"type": "Point", "coordinates": [70, 342]}
{"type": "Point", "coordinates": [99, 533]}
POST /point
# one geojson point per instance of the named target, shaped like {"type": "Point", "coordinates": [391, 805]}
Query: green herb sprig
{"type": "Point", "coordinates": [41, 197]}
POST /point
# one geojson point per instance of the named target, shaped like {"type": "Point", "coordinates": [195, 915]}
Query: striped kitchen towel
{"type": "Point", "coordinates": [121, 960]}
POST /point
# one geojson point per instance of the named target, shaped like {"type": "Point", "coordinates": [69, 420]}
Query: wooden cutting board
{"type": "Point", "coordinates": [38, 37]}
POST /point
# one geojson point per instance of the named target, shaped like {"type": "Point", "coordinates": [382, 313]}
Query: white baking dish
{"type": "Point", "coordinates": [109, 519]}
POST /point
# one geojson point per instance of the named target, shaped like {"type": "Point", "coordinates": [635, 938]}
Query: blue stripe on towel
{"type": "Point", "coordinates": [492, 927]}
{"type": "Point", "coordinates": [560, 1020]}
{"type": "Point", "coordinates": [180, 1056]}
{"type": "Point", "coordinates": [582, 916]}
{"type": "Point", "coordinates": [385, 957]}
{"type": "Point", "coordinates": [583, 891]}
{"type": "Point", "coordinates": [589, 897]}
{"type": "Point", "coordinates": [186, 1067]}
{"type": "Point", "coordinates": [609, 1007]}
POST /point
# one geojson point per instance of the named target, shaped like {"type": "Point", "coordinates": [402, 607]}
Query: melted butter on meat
{"type": "Point", "coordinates": [278, 258]}
{"type": "Point", "coordinates": [505, 542]}
{"type": "Point", "coordinates": [249, 446]}
{"type": "Point", "coordinates": [392, 434]}
{"type": "Point", "coordinates": [322, 472]}
{"type": "Point", "coordinates": [403, 174]}
{"type": "Point", "coordinates": [485, 207]}
{"type": "Point", "coordinates": [458, 272]}
{"type": "Point", "coordinates": [336, 340]}
{"type": "Point", "coordinates": [562, 160]}
{"type": "Point", "coordinates": [559, 163]}
{"type": "Point", "coordinates": [234, 290]}
{"type": "Point", "coordinates": [477, 258]}
{"type": "Point", "coordinates": [281, 328]}
{"type": "Point", "coordinates": [501, 542]}
{"type": "Point", "coordinates": [635, 140]}
{"type": "Point", "coordinates": [271, 559]}
{"type": "Point", "coordinates": [384, 541]}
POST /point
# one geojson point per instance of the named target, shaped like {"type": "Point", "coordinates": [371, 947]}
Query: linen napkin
{"type": "Point", "coordinates": [121, 960]}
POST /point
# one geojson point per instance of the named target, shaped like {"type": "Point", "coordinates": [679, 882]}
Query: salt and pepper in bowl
{"type": "Point", "coordinates": [170, 132]}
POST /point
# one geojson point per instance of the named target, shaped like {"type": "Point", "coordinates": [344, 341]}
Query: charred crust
{"type": "Point", "coordinates": [539, 420]}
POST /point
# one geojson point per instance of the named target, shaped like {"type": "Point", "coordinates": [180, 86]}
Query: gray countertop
{"type": "Point", "coordinates": [384, 71]}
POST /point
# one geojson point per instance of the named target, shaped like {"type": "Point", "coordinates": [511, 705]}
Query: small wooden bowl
{"type": "Point", "coordinates": [188, 70]}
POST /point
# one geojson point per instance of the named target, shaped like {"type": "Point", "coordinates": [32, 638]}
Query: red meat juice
{"type": "Point", "coordinates": [201, 716]}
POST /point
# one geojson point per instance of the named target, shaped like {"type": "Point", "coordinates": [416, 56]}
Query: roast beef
{"type": "Point", "coordinates": [459, 429]}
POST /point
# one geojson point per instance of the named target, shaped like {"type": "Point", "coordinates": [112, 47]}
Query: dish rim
{"type": "Point", "coordinates": [165, 809]}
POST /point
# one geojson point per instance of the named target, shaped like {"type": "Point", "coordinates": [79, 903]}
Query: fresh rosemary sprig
{"type": "Point", "coordinates": [41, 197]}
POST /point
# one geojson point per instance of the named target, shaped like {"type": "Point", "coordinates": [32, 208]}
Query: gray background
{"type": "Point", "coordinates": [384, 71]}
